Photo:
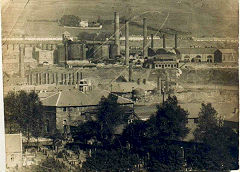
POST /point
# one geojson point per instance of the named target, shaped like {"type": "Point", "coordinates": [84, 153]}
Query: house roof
{"type": "Point", "coordinates": [74, 97]}
{"type": "Point", "coordinates": [228, 51]}
{"type": "Point", "coordinates": [13, 143]}
{"type": "Point", "coordinates": [196, 50]}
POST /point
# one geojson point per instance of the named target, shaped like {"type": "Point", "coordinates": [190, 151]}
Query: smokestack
{"type": "Point", "coordinates": [145, 53]}
{"type": "Point", "coordinates": [152, 41]}
{"type": "Point", "coordinates": [21, 62]}
{"type": "Point", "coordinates": [175, 40]}
{"type": "Point", "coordinates": [116, 31]}
{"type": "Point", "coordinates": [158, 83]}
{"type": "Point", "coordinates": [126, 42]}
{"type": "Point", "coordinates": [164, 41]}
{"type": "Point", "coordinates": [130, 72]}
{"type": "Point", "coordinates": [56, 78]}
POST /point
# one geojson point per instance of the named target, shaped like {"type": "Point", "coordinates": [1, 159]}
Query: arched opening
{"type": "Point", "coordinates": [198, 58]}
{"type": "Point", "coordinates": [186, 58]}
{"type": "Point", "coordinates": [209, 59]}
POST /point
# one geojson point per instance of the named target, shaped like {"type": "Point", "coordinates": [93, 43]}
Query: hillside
{"type": "Point", "coordinates": [201, 18]}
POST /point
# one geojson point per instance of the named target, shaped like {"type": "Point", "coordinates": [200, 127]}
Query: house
{"type": "Point", "coordinates": [196, 54]}
{"type": "Point", "coordinates": [14, 150]}
{"type": "Point", "coordinates": [71, 107]}
{"type": "Point", "coordinates": [225, 55]}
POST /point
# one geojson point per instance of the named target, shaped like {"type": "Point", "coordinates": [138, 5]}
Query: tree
{"type": "Point", "coordinates": [222, 142]}
{"type": "Point", "coordinates": [109, 115]}
{"type": "Point", "coordinates": [70, 20]}
{"type": "Point", "coordinates": [49, 165]}
{"type": "Point", "coordinates": [170, 121]}
{"type": "Point", "coordinates": [155, 140]}
{"type": "Point", "coordinates": [207, 123]}
{"type": "Point", "coordinates": [112, 160]}
{"type": "Point", "coordinates": [23, 113]}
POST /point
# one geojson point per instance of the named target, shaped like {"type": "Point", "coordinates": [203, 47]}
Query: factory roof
{"type": "Point", "coordinates": [227, 51]}
{"type": "Point", "coordinates": [196, 50]}
{"type": "Point", "coordinates": [74, 97]}
{"type": "Point", "coordinates": [13, 143]}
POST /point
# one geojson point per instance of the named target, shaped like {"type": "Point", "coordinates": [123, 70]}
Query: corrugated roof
{"type": "Point", "coordinates": [13, 143]}
{"type": "Point", "coordinates": [196, 50]}
{"type": "Point", "coordinates": [228, 51]}
{"type": "Point", "coordinates": [74, 97]}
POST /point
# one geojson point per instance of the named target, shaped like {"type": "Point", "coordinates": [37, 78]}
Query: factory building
{"type": "Point", "coordinates": [196, 54]}
{"type": "Point", "coordinates": [44, 57]}
{"type": "Point", "coordinates": [225, 55]}
{"type": "Point", "coordinates": [161, 61]}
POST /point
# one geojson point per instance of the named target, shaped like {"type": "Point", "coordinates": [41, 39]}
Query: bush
{"type": "Point", "coordinates": [70, 20]}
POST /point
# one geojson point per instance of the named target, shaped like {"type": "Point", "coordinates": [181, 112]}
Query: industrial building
{"type": "Point", "coordinates": [196, 54]}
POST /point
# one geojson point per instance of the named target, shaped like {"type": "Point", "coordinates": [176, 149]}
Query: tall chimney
{"type": "Point", "coordinates": [21, 62]}
{"type": "Point", "coordinates": [126, 42]}
{"type": "Point", "coordinates": [158, 83]}
{"type": "Point", "coordinates": [130, 72]}
{"type": "Point", "coordinates": [175, 40]}
{"type": "Point", "coordinates": [145, 53]}
{"type": "Point", "coordinates": [164, 41]}
{"type": "Point", "coordinates": [152, 41]}
{"type": "Point", "coordinates": [116, 31]}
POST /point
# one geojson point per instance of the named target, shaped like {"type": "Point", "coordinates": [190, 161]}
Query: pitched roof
{"type": "Point", "coordinates": [13, 143]}
{"type": "Point", "coordinates": [228, 51]}
{"type": "Point", "coordinates": [196, 50]}
{"type": "Point", "coordinates": [74, 97]}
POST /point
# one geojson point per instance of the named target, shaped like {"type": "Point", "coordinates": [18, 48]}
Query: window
{"type": "Point", "coordinates": [64, 109]}
{"type": "Point", "coordinates": [12, 157]}
{"type": "Point", "coordinates": [195, 120]}
{"type": "Point", "coordinates": [186, 58]}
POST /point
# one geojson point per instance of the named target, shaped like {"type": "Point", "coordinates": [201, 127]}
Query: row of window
{"type": "Point", "coordinates": [72, 109]}
{"type": "Point", "coordinates": [165, 65]}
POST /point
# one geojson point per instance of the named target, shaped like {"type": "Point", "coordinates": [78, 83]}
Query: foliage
{"type": "Point", "coordinates": [111, 160]}
{"type": "Point", "coordinates": [109, 116]}
{"type": "Point", "coordinates": [23, 112]}
{"type": "Point", "coordinates": [207, 123]}
{"type": "Point", "coordinates": [155, 140]}
{"type": "Point", "coordinates": [49, 165]}
{"type": "Point", "coordinates": [70, 20]}
{"type": "Point", "coordinates": [170, 121]}
{"type": "Point", "coordinates": [222, 141]}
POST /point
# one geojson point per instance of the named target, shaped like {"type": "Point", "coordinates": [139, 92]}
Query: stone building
{"type": "Point", "coordinates": [226, 55]}
{"type": "Point", "coordinates": [196, 54]}
{"type": "Point", "coordinates": [71, 107]}
{"type": "Point", "coordinates": [14, 150]}
{"type": "Point", "coordinates": [44, 57]}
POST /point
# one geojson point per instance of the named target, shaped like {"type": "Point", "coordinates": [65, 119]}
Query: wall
{"type": "Point", "coordinates": [73, 115]}
{"type": "Point", "coordinates": [203, 56]}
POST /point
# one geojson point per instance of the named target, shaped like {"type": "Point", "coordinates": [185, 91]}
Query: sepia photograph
{"type": "Point", "coordinates": [120, 85]}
